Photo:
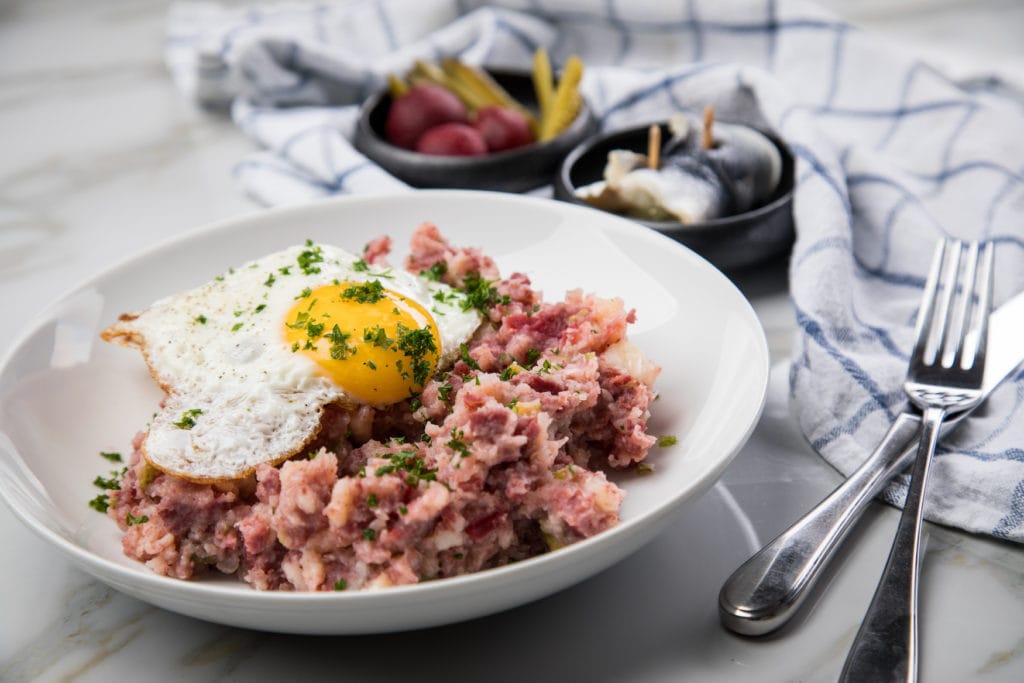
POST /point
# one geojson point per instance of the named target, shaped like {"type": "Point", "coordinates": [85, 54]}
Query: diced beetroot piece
{"type": "Point", "coordinates": [452, 139]}
{"type": "Point", "coordinates": [421, 108]}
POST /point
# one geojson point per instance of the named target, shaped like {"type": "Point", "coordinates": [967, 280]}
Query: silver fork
{"type": "Point", "coordinates": [945, 374]}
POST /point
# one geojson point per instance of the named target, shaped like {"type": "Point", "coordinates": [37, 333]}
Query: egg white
{"type": "Point", "coordinates": [237, 394]}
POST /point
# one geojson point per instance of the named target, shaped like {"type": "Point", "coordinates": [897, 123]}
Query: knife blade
{"type": "Point", "coordinates": [768, 589]}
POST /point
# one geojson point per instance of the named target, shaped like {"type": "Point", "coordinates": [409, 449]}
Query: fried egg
{"type": "Point", "coordinates": [249, 360]}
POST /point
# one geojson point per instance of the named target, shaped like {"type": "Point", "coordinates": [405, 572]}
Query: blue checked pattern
{"type": "Point", "coordinates": [891, 156]}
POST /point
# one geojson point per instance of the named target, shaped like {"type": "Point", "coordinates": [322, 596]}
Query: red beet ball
{"type": "Point", "coordinates": [503, 128]}
{"type": "Point", "coordinates": [452, 139]}
{"type": "Point", "coordinates": [422, 107]}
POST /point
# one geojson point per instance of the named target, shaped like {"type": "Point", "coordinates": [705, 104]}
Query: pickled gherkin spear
{"type": "Point", "coordinates": [483, 86]}
{"type": "Point", "coordinates": [542, 81]}
{"type": "Point", "coordinates": [566, 103]}
{"type": "Point", "coordinates": [396, 86]}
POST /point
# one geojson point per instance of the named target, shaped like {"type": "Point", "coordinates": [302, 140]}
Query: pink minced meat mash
{"type": "Point", "coordinates": [498, 460]}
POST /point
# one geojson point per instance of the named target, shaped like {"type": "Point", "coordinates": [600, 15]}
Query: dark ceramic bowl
{"type": "Point", "coordinates": [514, 170]}
{"type": "Point", "coordinates": [729, 243]}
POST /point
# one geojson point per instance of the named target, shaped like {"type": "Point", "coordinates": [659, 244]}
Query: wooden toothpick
{"type": "Point", "coordinates": [709, 123]}
{"type": "Point", "coordinates": [654, 146]}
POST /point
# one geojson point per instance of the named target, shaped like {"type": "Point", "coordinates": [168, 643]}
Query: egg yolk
{"type": "Point", "coordinates": [376, 344]}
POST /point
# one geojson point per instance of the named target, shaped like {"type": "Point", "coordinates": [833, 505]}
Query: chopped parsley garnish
{"type": "Point", "coordinates": [360, 266]}
{"type": "Point", "coordinates": [509, 372]}
{"type": "Point", "coordinates": [378, 336]}
{"type": "Point", "coordinates": [532, 355]}
{"type": "Point", "coordinates": [417, 344]}
{"type": "Point", "coordinates": [436, 271]}
{"type": "Point", "coordinates": [311, 256]}
{"type": "Point", "coordinates": [340, 585]}
{"type": "Point", "coordinates": [481, 294]}
{"type": "Point", "coordinates": [270, 281]}
{"type": "Point", "coordinates": [369, 534]}
{"type": "Point", "coordinates": [236, 327]}
{"type": "Point", "coordinates": [305, 293]}
{"type": "Point", "coordinates": [371, 500]}
{"type": "Point", "coordinates": [457, 444]}
{"type": "Point", "coordinates": [285, 270]}
{"type": "Point", "coordinates": [340, 349]}
{"type": "Point", "coordinates": [132, 520]}
{"type": "Point", "coordinates": [188, 419]}
{"type": "Point", "coordinates": [547, 366]}
{"type": "Point", "coordinates": [314, 330]}
{"type": "Point", "coordinates": [420, 370]}
{"type": "Point", "coordinates": [107, 483]}
{"type": "Point", "coordinates": [468, 359]}
{"type": "Point", "coordinates": [444, 392]}
{"type": "Point", "coordinates": [415, 403]}
{"type": "Point", "coordinates": [444, 297]}
{"type": "Point", "coordinates": [403, 510]}
{"type": "Point", "coordinates": [101, 503]}
{"type": "Point", "coordinates": [259, 308]}
{"type": "Point", "coordinates": [415, 468]}
{"type": "Point", "coordinates": [201, 319]}
{"type": "Point", "coordinates": [668, 440]}
{"type": "Point", "coordinates": [367, 293]}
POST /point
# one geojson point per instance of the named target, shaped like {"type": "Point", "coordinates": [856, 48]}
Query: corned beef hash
{"type": "Point", "coordinates": [331, 422]}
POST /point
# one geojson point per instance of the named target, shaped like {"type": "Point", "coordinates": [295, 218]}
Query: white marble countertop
{"type": "Point", "coordinates": [102, 157]}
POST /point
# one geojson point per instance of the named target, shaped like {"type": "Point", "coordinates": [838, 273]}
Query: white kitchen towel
{"type": "Point", "coordinates": [891, 156]}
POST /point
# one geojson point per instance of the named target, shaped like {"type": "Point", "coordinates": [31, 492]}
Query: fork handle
{"type": "Point", "coordinates": [886, 647]}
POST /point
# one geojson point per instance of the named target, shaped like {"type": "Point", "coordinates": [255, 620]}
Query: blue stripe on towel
{"type": "Point", "coordinates": [857, 373]}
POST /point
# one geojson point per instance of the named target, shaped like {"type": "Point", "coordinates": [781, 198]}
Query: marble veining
{"type": "Point", "coordinates": [92, 630]}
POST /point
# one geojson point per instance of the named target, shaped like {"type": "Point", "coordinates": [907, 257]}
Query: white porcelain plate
{"type": "Point", "coordinates": [65, 395]}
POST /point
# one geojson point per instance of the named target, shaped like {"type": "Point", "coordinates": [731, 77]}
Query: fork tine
{"type": "Point", "coordinates": [965, 290]}
{"type": "Point", "coordinates": [976, 335]}
{"type": "Point", "coordinates": [947, 291]}
{"type": "Point", "coordinates": [923, 334]}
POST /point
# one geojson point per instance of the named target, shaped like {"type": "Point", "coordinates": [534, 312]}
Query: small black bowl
{"type": "Point", "coordinates": [731, 242]}
{"type": "Point", "coordinates": [514, 170]}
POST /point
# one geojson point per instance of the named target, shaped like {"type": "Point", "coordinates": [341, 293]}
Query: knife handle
{"type": "Point", "coordinates": [766, 590]}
